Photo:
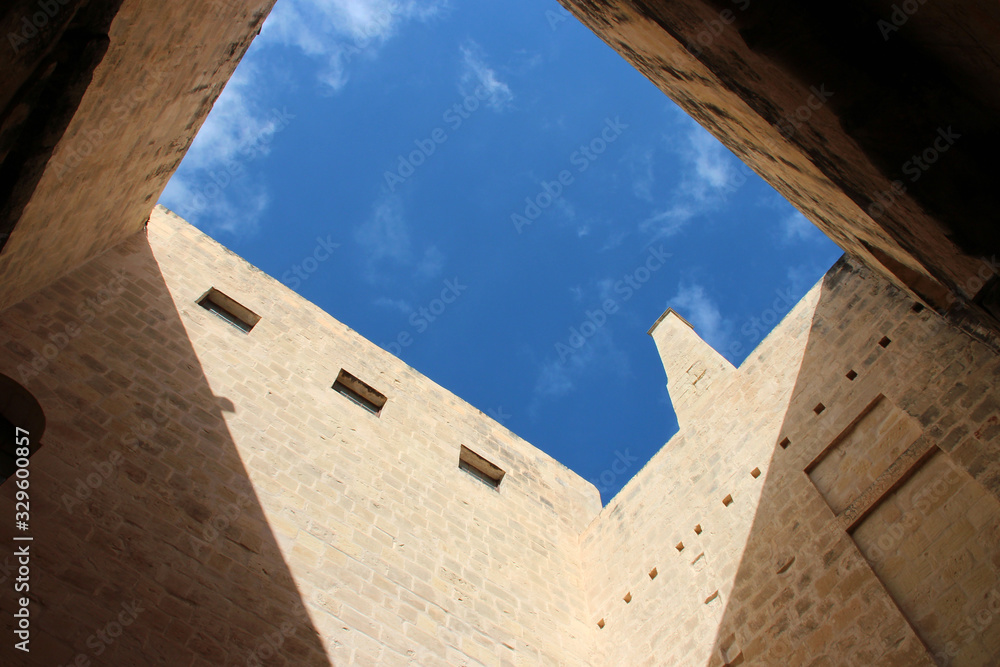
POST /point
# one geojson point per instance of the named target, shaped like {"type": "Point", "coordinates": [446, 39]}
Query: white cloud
{"type": "Point", "coordinates": [385, 235]}
{"type": "Point", "coordinates": [797, 227]}
{"type": "Point", "coordinates": [715, 168]}
{"type": "Point", "coordinates": [384, 239]}
{"type": "Point", "coordinates": [476, 74]}
{"type": "Point", "coordinates": [700, 310]}
{"type": "Point", "coordinates": [642, 175]}
{"type": "Point", "coordinates": [614, 240]}
{"type": "Point", "coordinates": [402, 305]}
{"type": "Point", "coordinates": [431, 263]}
{"type": "Point", "coordinates": [710, 175]}
{"type": "Point", "coordinates": [559, 377]}
{"type": "Point", "coordinates": [213, 187]}
{"type": "Point", "coordinates": [337, 32]}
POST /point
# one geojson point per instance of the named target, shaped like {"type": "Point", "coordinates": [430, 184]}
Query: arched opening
{"type": "Point", "coordinates": [20, 415]}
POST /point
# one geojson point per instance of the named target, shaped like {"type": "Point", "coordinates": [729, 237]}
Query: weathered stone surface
{"type": "Point", "coordinates": [215, 479]}
{"type": "Point", "coordinates": [884, 138]}
{"type": "Point", "coordinates": [95, 118]}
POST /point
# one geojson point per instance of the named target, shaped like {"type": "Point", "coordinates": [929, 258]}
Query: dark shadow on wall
{"type": "Point", "coordinates": [149, 544]}
{"type": "Point", "coordinates": [875, 541]}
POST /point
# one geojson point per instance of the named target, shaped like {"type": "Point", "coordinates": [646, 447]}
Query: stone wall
{"type": "Point", "coordinates": [881, 136]}
{"type": "Point", "coordinates": [202, 495]}
{"type": "Point", "coordinates": [833, 501]}
{"type": "Point", "coordinates": [215, 480]}
{"type": "Point", "coordinates": [97, 108]}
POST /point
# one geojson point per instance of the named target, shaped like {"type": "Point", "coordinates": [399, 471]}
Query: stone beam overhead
{"type": "Point", "coordinates": [875, 119]}
{"type": "Point", "coordinates": [99, 101]}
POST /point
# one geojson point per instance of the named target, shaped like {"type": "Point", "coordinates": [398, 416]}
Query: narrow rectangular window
{"type": "Point", "coordinates": [229, 310]}
{"type": "Point", "coordinates": [480, 468]}
{"type": "Point", "coordinates": [359, 392]}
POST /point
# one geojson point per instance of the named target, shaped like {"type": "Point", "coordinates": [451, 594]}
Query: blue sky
{"type": "Point", "coordinates": [494, 195]}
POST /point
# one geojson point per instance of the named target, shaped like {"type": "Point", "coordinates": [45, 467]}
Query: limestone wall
{"type": "Point", "coordinates": [242, 486]}
{"type": "Point", "coordinates": [845, 484]}
{"type": "Point", "coordinates": [203, 496]}
{"type": "Point", "coordinates": [85, 154]}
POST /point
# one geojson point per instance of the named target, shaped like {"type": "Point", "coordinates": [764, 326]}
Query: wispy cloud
{"type": "Point", "coordinates": [215, 187]}
{"type": "Point", "coordinates": [641, 168]}
{"type": "Point", "coordinates": [698, 308]}
{"type": "Point", "coordinates": [385, 242]}
{"type": "Point", "coordinates": [338, 32]}
{"type": "Point", "coordinates": [385, 234]}
{"type": "Point", "coordinates": [557, 378]}
{"type": "Point", "coordinates": [477, 75]}
{"type": "Point", "coordinates": [796, 227]}
{"type": "Point", "coordinates": [401, 305]}
{"type": "Point", "coordinates": [432, 262]}
{"type": "Point", "coordinates": [710, 174]}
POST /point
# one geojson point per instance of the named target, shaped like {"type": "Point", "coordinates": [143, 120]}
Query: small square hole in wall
{"type": "Point", "coordinates": [819, 408]}
{"type": "Point", "coordinates": [755, 473]}
{"type": "Point", "coordinates": [486, 472]}
{"type": "Point", "coordinates": [885, 341]}
{"type": "Point", "coordinates": [680, 546]}
{"type": "Point", "coordinates": [697, 529]}
{"type": "Point", "coordinates": [728, 500]}
{"type": "Point", "coordinates": [784, 443]}
{"type": "Point", "coordinates": [918, 307]}
{"type": "Point", "coordinates": [357, 391]}
{"type": "Point", "coordinates": [627, 598]}
{"type": "Point", "coordinates": [229, 310]}
{"type": "Point", "coordinates": [851, 374]}
{"type": "Point", "coordinates": [653, 573]}
{"type": "Point", "coordinates": [600, 624]}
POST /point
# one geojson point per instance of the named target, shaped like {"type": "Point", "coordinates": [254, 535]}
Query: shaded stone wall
{"type": "Point", "coordinates": [884, 138]}
{"type": "Point", "coordinates": [97, 107]}
{"type": "Point", "coordinates": [216, 480]}
{"type": "Point", "coordinates": [834, 500]}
